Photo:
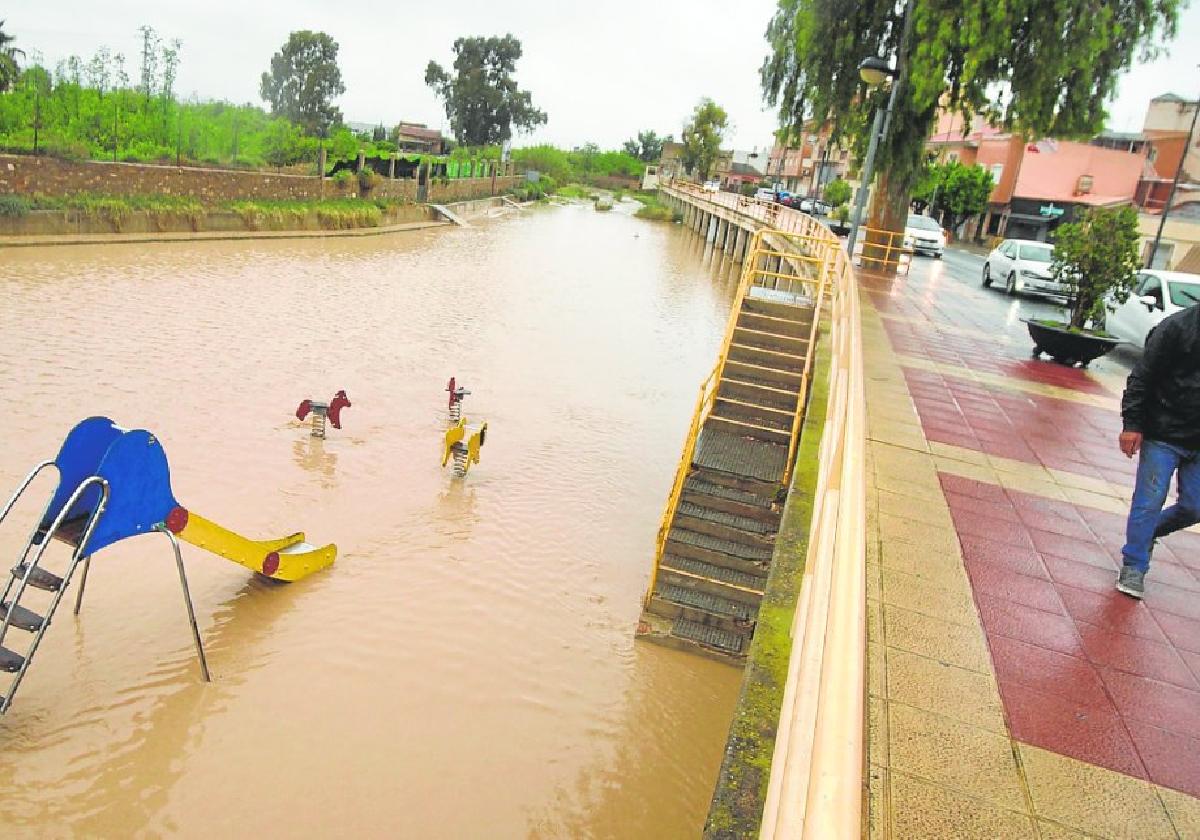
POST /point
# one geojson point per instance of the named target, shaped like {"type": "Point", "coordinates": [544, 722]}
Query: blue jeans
{"type": "Point", "coordinates": [1147, 519]}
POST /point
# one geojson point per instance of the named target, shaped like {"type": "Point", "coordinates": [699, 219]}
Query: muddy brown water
{"type": "Point", "coordinates": [467, 667]}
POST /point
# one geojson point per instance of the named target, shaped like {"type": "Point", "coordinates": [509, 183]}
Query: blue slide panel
{"type": "Point", "coordinates": [79, 458]}
{"type": "Point", "coordinates": [139, 489]}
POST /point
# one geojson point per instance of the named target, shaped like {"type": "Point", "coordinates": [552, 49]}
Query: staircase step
{"type": "Point", "coordinates": [755, 554]}
{"type": "Point", "coordinates": [743, 428]}
{"type": "Point", "coordinates": [9, 661]}
{"type": "Point", "coordinates": [757, 391]}
{"type": "Point", "coordinates": [699, 568]}
{"type": "Point", "coordinates": [759, 415]}
{"type": "Point", "coordinates": [706, 634]}
{"type": "Point", "coordinates": [765, 323]}
{"type": "Point", "coordinates": [707, 602]}
{"type": "Point", "coordinates": [40, 578]}
{"type": "Point", "coordinates": [22, 618]}
{"type": "Point", "coordinates": [730, 500]}
{"type": "Point", "coordinates": [785, 380]}
{"type": "Point", "coordinates": [767, 358]}
{"type": "Point", "coordinates": [720, 517]}
{"type": "Point", "coordinates": [734, 458]}
{"type": "Point", "coordinates": [780, 311]}
{"type": "Point", "coordinates": [771, 341]}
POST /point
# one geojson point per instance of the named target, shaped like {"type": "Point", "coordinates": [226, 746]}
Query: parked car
{"type": "Point", "coordinates": [813, 207]}
{"type": "Point", "coordinates": [924, 235]}
{"type": "Point", "coordinates": [764, 194]}
{"type": "Point", "coordinates": [712, 186]}
{"type": "Point", "coordinates": [1023, 265]}
{"type": "Point", "coordinates": [783, 197]}
{"type": "Point", "coordinates": [1156, 294]}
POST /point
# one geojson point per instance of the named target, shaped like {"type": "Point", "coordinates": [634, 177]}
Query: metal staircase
{"type": "Point", "coordinates": [73, 525]}
{"type": "Point", "coordinates": [718, 532]}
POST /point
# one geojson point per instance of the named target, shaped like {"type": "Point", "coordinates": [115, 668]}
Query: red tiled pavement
{"type": "Point", "coordinates": [925, 341]}
{"type": "Point", "coordinates": [1083, 670]}
{"type": "Point", "coordinates": [1056, 433]}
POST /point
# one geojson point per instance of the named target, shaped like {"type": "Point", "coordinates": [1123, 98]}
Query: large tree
{"type": "Point", "coordinates": [483, 103]}
{"type": "Point", "coordinates": [1037, 67]}
{"type": "Point", "coordinates": [702, 136]}
{"type": "Point", "coordinates": [953, 190]}
{"type": "Point", "coordinates": [303, 81]}
{"type": "Point", "coordinates": [647, 146]}
{"type": "Point", "coordinates": [9, 71]}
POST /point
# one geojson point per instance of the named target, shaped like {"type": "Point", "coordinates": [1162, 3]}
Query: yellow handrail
{"type": "Point", "coordinates": [685, 462]}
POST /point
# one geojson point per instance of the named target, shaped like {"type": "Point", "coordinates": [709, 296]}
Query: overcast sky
{"type": "Point", "coordinates": [601, 71]}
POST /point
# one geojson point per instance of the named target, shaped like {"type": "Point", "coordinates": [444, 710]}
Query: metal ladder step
{"type": "Point", "coordinates": [708, 635]}
{"type": "Point", "coordinates": [40, 578]}
{"type": "Point", "coordinates": [9, 661]}
{"type": "Point", "coordinates": [709, 603]}
{"type": "Point", "coordinates": [699, 540]}
{"type": "Point", "coordinates": [729, 520]}
{"type": "Point", "coordinates": [22, 618]}
{"type": "Point", "coordinates": [731, 494]}
{"type": "Point", "coordinates": [719, 574]}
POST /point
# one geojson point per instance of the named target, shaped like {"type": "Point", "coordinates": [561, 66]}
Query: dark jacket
{"type": "Point", "coordinates": [1162, 396]}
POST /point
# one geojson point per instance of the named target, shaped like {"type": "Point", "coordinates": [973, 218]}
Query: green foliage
{"type": "Point", "coordinates": [954, 191]}
{"type": "Point", "coordinates": [14, 205]}
{"type": "Point", "coordinates": [303, 81]}
{"type": "Point", "coordinates": [482, 100]}
{"type": "Point", "coordinates": [1033, 66]}
{"type": "Point", "coordinates": [652, 208]}
{"type": "Point", "coordinates": [647, 147]}
{"type": "Point", "coordinates": [343, 179]}
{"type": "Point", "coordinates": [1096, 255]}
{"type": "Point", "coordinates": [702, 137]}
{"type": "Point", "coordinates": [9, 70]}
{"type": "Point", "coordinates": [837, 192]}
{"type": "Point", "coordinates": [368, 179]}
{"type": "Point", "coordinates": [577, 165]}
{"type": "Point", "coordinates": [572, 191]}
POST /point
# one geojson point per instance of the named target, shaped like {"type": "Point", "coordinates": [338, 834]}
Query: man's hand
{"type": "Point", "coordinates": [1130, 443]}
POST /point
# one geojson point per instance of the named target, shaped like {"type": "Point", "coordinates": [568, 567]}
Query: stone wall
{"type": "Point", "coordinates": [25, 174]}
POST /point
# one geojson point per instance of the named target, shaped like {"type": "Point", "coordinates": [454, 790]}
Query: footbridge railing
{"type": "Point", "coordinates": [816, 783]}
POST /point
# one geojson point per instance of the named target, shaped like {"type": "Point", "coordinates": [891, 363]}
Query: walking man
{"type": "Point", "coordinates": [1160, 411]}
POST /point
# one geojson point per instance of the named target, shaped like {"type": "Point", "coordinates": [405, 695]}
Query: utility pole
{"type": "Point", "coordinates": [1162, 220]}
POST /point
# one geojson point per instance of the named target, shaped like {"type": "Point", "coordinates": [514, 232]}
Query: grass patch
{"type": "Point", "coordinates": [653, 209]}
{"type": "Point", "coordinates": [572, 191]}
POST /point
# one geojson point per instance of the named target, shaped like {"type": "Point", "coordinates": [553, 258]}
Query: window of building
{"type": "Point", "coordinates": [997, 171]}
{"type": "Point", "coordinates": [952, 156]}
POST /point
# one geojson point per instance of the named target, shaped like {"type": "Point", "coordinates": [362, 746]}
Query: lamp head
{"type": "Point", "coordinates": [875, 70]}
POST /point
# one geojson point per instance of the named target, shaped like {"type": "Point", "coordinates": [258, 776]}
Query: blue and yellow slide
{"type": "Point", "coordinates": [140, 500]}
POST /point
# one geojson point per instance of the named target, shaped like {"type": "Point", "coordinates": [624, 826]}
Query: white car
{"type": "Point", "coordinates": [1023, 265]}
{"type": "Point", "coordinates": [1156, 294]}
{"type": "Point", "coordinates": [764, 194]}
{"type": "Point", "coordinates": [712, 186]}
{"type": "Point", "coordinates": [924, 235]}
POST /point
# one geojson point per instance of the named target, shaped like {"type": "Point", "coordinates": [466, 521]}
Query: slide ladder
{"type": "Point", "coordinates": [114, 483]}
{"type": "Point", "coordinates": [28, 573]}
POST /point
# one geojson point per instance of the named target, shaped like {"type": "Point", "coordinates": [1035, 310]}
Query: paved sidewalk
{"type": "Point", "coordinates": [1012, 691]}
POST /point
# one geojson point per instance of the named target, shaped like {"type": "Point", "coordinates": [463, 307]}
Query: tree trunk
{"type": "Point", "coordinates": [886, 221]}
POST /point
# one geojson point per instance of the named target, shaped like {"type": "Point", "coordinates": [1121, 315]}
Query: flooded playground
{"type": "Point", "coordinates": [466, 668]}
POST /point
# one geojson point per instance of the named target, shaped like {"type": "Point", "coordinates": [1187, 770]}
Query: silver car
{"type": "Point", "coordinates": [1023, 265]}
{"type": "Point", "coordinates": [1156, 294]}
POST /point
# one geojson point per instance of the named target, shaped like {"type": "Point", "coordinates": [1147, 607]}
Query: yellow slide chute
{"type": "Point", "coordinates": [288, 558]}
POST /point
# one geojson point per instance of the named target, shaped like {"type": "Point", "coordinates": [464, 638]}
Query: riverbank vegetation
{"type": "Point", "coordinates": [330, 213]}
{"type": "Point", "coordinates": [653, 209]}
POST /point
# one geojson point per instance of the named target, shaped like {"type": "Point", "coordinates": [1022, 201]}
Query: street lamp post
{"type": "Point", "coordinates": [873, 71]}
{"type": "Point", "coordinates": [1162, 220]}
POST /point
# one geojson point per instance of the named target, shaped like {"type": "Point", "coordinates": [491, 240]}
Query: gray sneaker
{"type": "Point", "coordinates": [1131, 582]}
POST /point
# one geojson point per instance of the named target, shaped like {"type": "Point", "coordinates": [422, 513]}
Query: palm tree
{"type": "Point", "coordinates": [8, 60]}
